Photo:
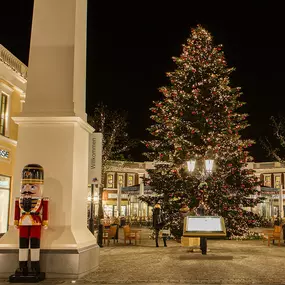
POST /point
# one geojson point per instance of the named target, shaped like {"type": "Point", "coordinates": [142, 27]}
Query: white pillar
{"type": "Point", "coordinates": [119, 199]}
{"type": "Point", "coordinates": [57, 62]}
{"type": "Point", "coordinates": [140, 204]}
{"type": "Point", "coordinates": [53, 133]}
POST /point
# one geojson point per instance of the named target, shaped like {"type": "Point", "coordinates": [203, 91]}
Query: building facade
{"type": "Point", "coordinates": [125, 174]}
{"type": "Point", "coordinates": [13, 82]}
{"type": "Point", "coordinates": [121, 174]}
{"type": "Point", "coordinates": [272, 176]}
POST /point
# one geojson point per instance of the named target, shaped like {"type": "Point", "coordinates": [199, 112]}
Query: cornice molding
{"type": "Point", "coordinates": [53, 120]}
{"type": "Point", "coordinates": [5, 88]}
{"type": "Point", "coordinates": [8, 140]}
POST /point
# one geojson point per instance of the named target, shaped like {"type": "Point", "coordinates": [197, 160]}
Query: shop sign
{"type": "Point", "coordinates": [4, 153]}
{"type": "Point", "coordinates": [95, 159]}
{"type": "Point", "coordinates": [114, 196]}
{"type": "Point", "coordinates": [277, 196]}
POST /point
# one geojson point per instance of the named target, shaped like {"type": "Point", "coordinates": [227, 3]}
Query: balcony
{"type": "Point", "coordinates": [13, 62]}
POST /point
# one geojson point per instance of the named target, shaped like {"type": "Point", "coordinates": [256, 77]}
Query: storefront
{"type": "Point", "coordinates": [5, 185]}
{"type": "Point", "coordinates": [112, 211]}
{"type": "Point", "coordinates": [269, 208]}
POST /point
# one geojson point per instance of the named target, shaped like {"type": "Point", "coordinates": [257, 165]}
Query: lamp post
{"type": "Point", "coordinates": [91, 219]}
{"type": "Point", "coordinates": [202, 176]}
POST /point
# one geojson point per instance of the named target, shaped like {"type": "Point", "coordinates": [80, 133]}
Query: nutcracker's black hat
{"type": "Point", "coordinates": [33, 174]}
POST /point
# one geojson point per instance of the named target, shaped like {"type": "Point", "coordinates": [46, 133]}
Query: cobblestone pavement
{"type": "Point", "coordinates": [228, 262]}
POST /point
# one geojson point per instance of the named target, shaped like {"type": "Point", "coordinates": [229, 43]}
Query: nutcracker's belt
{"type": "Point", "coordinates": [32, 214]}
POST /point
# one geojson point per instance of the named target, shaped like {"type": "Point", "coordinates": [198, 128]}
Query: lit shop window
{"type": "Point", "coordinates": [121, 180]}
{"type": "Point", "coordinates": [130, 180]}
{"type": "Point", "coordinates": [4, 202]}
{"type": "Point", "coordinates": [267, 180]}
{"type": "Point", "coordinates": [277, 182]}
{"type": "Point", "coordinates": [110, 180]}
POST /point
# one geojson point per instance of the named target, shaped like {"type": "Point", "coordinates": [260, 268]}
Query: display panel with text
{"type": "Point", "coordinates": [204, 226]}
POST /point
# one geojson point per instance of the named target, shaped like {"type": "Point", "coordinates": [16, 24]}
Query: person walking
{"type": "Point", "coordinates": [158, 223]}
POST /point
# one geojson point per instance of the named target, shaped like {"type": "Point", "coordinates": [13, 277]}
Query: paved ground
{"type": "Point", "coordinates": [228, 262]}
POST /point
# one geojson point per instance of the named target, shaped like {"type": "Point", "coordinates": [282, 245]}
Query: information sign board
{"type": "Point", "coordinates": [204, 226]}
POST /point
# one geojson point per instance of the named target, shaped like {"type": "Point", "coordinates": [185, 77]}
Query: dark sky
{"type": "Point", "coordinates": [130, 45]}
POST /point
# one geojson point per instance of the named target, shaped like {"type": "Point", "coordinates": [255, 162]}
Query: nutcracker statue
{"type": "Point", "coordinates": [31, 213]}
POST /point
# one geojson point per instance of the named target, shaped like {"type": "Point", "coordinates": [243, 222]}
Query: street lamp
{"type": "Point", "coordinates": [209, 164]}
{"type": "Point", "coordinates": [202, 175]}
{"type": "Point", "coordinates": [92, 198]}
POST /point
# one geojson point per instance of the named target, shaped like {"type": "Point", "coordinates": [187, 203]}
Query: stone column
{"type": "Point", "coordinates": [53, 133]}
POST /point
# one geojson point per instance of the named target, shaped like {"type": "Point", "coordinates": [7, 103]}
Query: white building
{"type": "Point", "coordinates": [272, 176]}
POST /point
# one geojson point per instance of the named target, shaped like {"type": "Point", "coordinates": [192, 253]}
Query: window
{"type": "Point", "coordinates": [108, 211]}
{"type": "Point", "coordinates": [110, 181]}
{"type": "Point", "coordinates": [3, 113]}
{"type": "Point", "coordinates": [267, 180]}
{"type": "Point", "coordinates": [4, 202]}
{"type": "Point", "coordinates": [277, 181]}
{"type": "Point", "coordinates": [121, 180]}
{"type": "Point", "coordinates": [130, 180]}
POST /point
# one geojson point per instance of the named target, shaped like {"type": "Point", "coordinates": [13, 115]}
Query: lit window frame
{"type": "Point", "coordinates": [270, 179]}
{"type": "Point", "coordinates": [4, 115]}
{"type": "Point", "coordinates": [113, 180]}
{"type": "Point", "coordinates": [133, 179]}
{"type": "Point", "coordinates": [123, 179]}
{"type": "Point", "coordinates": [275, 176]}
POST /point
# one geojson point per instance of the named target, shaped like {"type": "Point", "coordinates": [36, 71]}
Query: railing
{"type": "Point", "coordinates": [126, 164]}
{"type": "Point", "coordinates": [13, 62]}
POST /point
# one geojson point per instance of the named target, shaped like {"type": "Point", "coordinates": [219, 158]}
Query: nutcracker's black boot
{"type": "Point", "coordinates": [35, 267]}
{"type": "Point", "coordinates": [23, 269]}
{"type": "Point", "coordinates": [164, 241]}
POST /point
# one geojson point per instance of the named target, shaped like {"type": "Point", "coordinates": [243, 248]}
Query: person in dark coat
{"type": "Point", "coordinates": [158, 223]}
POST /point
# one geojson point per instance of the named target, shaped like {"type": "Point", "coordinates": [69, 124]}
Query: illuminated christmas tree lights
{"type": "Point", "coordinates": [197, 115]}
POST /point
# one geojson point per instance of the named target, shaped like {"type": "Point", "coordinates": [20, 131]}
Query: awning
{"type": "Point", "coordinates": [135, 190]}
{"type": "Point", "coordinates": [269, 191]}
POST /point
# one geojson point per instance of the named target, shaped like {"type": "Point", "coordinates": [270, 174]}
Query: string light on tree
{"type": "Point", "coordinates": [197, 113]}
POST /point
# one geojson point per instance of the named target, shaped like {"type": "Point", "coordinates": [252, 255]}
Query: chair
{"type": "Point", "coordinates": [113, 233]}
{"type": "Point", "coordinates": [273, 235]}
{"type": "Point", "coordinates": [110, 233]}
{"type": "Point", "coordinates": [131, 234]}
{"type": "Point", "coordinates": [106, 236]}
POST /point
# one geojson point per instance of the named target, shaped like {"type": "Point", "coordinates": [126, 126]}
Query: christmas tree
{"type": "Point", "coordinates": [197, 117]}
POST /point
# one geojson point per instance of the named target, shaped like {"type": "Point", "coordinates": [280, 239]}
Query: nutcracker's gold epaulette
{"type": "Point", "coordinates": [45, 199]}
{"type": "Point", "coordinates": [16, 222]}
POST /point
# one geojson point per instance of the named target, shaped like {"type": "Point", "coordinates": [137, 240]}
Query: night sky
{"type": "Point", "coordinates": [131, 43]}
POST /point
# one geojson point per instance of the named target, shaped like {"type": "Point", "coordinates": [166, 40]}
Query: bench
{"type": "Point", "coordinates": [274, 234]}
